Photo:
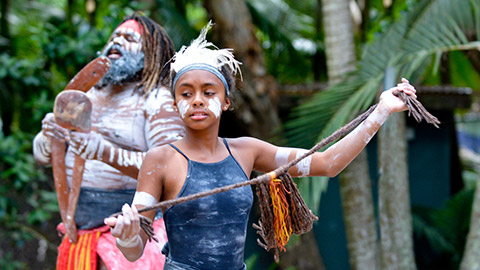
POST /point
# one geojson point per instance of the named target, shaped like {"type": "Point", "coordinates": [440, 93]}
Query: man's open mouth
{"type": "Point", "coordinates": [114, 53]}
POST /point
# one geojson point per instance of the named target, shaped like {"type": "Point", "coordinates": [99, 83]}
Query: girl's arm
{"type": "Point", "coordinates": [338, 156]}
{"type": "Point", "coordinates": [131, 239]}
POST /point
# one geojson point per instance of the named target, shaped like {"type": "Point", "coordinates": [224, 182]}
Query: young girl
{"type": "Point", "coordinates": [209, 233]}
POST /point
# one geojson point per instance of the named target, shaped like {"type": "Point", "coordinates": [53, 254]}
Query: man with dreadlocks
{"type": "Point", "coordinates": [210, 232]}
{"type": "Point", "coordinates": [132, 112]}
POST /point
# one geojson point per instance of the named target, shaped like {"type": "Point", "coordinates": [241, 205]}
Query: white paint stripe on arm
{"type": "Point", "coordinates": [281, 156]}
{"type": "Point", "coordinates": [303, 166]}
{"type": "Point", "coordinates": [144, 198]}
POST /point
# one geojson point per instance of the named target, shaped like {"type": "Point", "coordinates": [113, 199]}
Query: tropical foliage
{"type": "Point", "coordinates": [44, 43]}
{"type": "Point", "coordinates": [415, 42]}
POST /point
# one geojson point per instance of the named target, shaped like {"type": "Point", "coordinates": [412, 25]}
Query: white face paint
{"type": "Point", "coordinates": [182, 108]}
{"type": "Point", "coordinates": [134, 45]}
{"type": "Point", "coordinates": [281, 157]}
{"type": "Point", "coordinates": [215, 106]}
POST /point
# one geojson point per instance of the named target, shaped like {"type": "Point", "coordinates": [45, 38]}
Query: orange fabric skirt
{"type": "Point", "coordinates": [83, 254]}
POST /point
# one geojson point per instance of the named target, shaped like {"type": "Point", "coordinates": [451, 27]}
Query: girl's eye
{"type": "Point", "coordinates": [209, 93]}
{"type": "Point", "coordinates": [186, 94]}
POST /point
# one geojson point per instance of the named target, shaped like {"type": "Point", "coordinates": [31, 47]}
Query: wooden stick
{"type": "Point", "coordinates": [83, 81]}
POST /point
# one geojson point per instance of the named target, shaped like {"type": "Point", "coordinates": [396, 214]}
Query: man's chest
{"type": "Point", "coordinates": [121, 123]}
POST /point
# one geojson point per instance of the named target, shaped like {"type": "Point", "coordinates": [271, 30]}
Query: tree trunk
{"type": "Point", "coordinates": [6, 42]}
{"type": "Point", "coordinates": [355, 183]}
{"type": "Point", "coordinates": [358, 214]}
{"type": "Point", "coordinates": [255, 111]}
{"type": "Point", "coordinates": [394, 203]}
{"type": "Point", "coordinates": [256, 114]}
{"type": "Point", "coordinates": [339, 43]}
{"type": "Point", "coordinates": [472, 248]}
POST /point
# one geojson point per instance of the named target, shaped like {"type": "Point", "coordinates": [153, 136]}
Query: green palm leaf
{"type": "Point", "coordinates": [433, 27]}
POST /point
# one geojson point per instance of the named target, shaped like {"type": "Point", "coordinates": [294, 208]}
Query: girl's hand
{"type": "Point", "coordinates": [394, 104]}
{"type": "Point", "coordinates": [125, 227]}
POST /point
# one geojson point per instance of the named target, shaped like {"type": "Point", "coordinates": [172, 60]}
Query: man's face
{"type": "Point", "coordinates": [126, 56]}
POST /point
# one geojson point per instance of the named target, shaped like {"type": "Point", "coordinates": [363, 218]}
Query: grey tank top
{"type": "Point", "coordinates": [209, 233]}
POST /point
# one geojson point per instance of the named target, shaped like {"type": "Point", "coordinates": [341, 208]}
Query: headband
{"type": "Point", "coordinates": [201, 66]}
{"type": "Point", "coordinates": [204, 55]}
{"type": "Point", "coordinates": [132, 24]}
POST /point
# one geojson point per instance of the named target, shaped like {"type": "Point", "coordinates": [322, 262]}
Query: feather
{"type": "Point", "coordinates": [202, 51]}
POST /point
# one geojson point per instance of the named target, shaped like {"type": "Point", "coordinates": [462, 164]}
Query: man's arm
{"type": "Point", "coordinates": [42, 143]}
{"type": "Point", "coordinates": [162, 125]}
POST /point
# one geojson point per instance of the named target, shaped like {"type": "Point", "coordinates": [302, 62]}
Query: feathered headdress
{"type": "Point", "coordinates": [200, 55]}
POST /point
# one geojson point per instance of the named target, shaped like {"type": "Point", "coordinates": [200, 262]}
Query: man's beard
{"type": "Point", "coordinates": [124, 69]}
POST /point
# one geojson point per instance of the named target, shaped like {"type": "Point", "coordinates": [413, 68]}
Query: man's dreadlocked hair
{"type": "Point", "coordinates": [158, 49]}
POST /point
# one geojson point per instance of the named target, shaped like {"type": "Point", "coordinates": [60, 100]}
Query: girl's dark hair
{"type": "Point", "coordinates": [158, 49]}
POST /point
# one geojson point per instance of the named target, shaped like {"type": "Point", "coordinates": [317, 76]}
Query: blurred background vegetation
{"type": "Point", "coordinates": [43, 43]}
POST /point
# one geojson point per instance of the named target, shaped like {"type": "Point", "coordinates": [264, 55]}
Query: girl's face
{"type": "Point", "coordinates": [200, 98]}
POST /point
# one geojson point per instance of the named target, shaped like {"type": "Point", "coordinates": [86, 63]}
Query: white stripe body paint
{"type": "Point", "coordinates": [282, 155]}
{"type": "Point", "coordinates": [303, 166]}
{"type": "Point", "coordinates": [112, 155]}
{"type": "Point", "coordinates": [144, 198]}
{"type": "Point", "coordinates": [132, 125]}
{"type": "Point", "coordinates": [215, 106]}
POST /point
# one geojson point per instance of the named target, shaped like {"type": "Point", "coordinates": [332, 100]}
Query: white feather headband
{"type": "Point", "coordinates": [199, 56]}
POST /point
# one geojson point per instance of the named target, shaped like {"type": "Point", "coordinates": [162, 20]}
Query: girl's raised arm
{"type": "Point", "coordinates": [333, 160]}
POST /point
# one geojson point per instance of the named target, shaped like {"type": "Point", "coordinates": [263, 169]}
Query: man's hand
{"type": "Point", "coordinates": [50, 129]}
{"type": "Point", "coordinates": [87, 145]}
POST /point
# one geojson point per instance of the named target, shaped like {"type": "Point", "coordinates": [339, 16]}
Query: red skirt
{"type": "Point", "coordinates": [83, 254]}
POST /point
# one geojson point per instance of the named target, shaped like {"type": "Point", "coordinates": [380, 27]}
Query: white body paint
{"type": "Point", "coordinates": [281, 156]}
{"type": "Point", "coordinates": [135, 46]}
{"type": "Point", "coordinates": [182, 108]}
{"type": "Point", "coordinates": [144, 198]}
{"type": "Point", "coordinates": [132, 125]}
{"type": "Point", "coordinates": [303, 166]}
{"type": "Point", "coordinates": [215, 106]}
{"type": "Point", "coordinates": [377, 118]}
{"type": "Point", "coordinates": [42, 148]}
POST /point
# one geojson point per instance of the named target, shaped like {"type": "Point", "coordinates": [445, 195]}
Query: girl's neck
{"type": "Point", "coordinates": [203, 147]}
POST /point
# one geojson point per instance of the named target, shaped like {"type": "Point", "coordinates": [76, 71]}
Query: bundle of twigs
{"type": "Point", "coordinates": [277, 187]}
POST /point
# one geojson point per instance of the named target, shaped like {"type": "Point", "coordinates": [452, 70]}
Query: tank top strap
{"type": "Point", "coordinates": [179, 151]}
{"type": "Point", "coordinates": [228, 147]}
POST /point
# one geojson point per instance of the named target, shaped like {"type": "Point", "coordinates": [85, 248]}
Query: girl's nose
{"type": "Point", "coordinates": [198, 100]}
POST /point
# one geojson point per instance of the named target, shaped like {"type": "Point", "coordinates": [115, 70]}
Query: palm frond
{"type": "Point", "coordinates": [280, 17]}
{"type": "Point", "coordinates": [436, 239]}
{"type": "Point", "coordinates": [433, 27]}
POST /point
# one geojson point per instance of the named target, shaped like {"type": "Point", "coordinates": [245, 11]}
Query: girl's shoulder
{"type": "Point", "coordinates": [245, 141]}
{"type": "Point", "coordinates": [160, 153]}
{"type": "Point", "coordinates": [248, 144]}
